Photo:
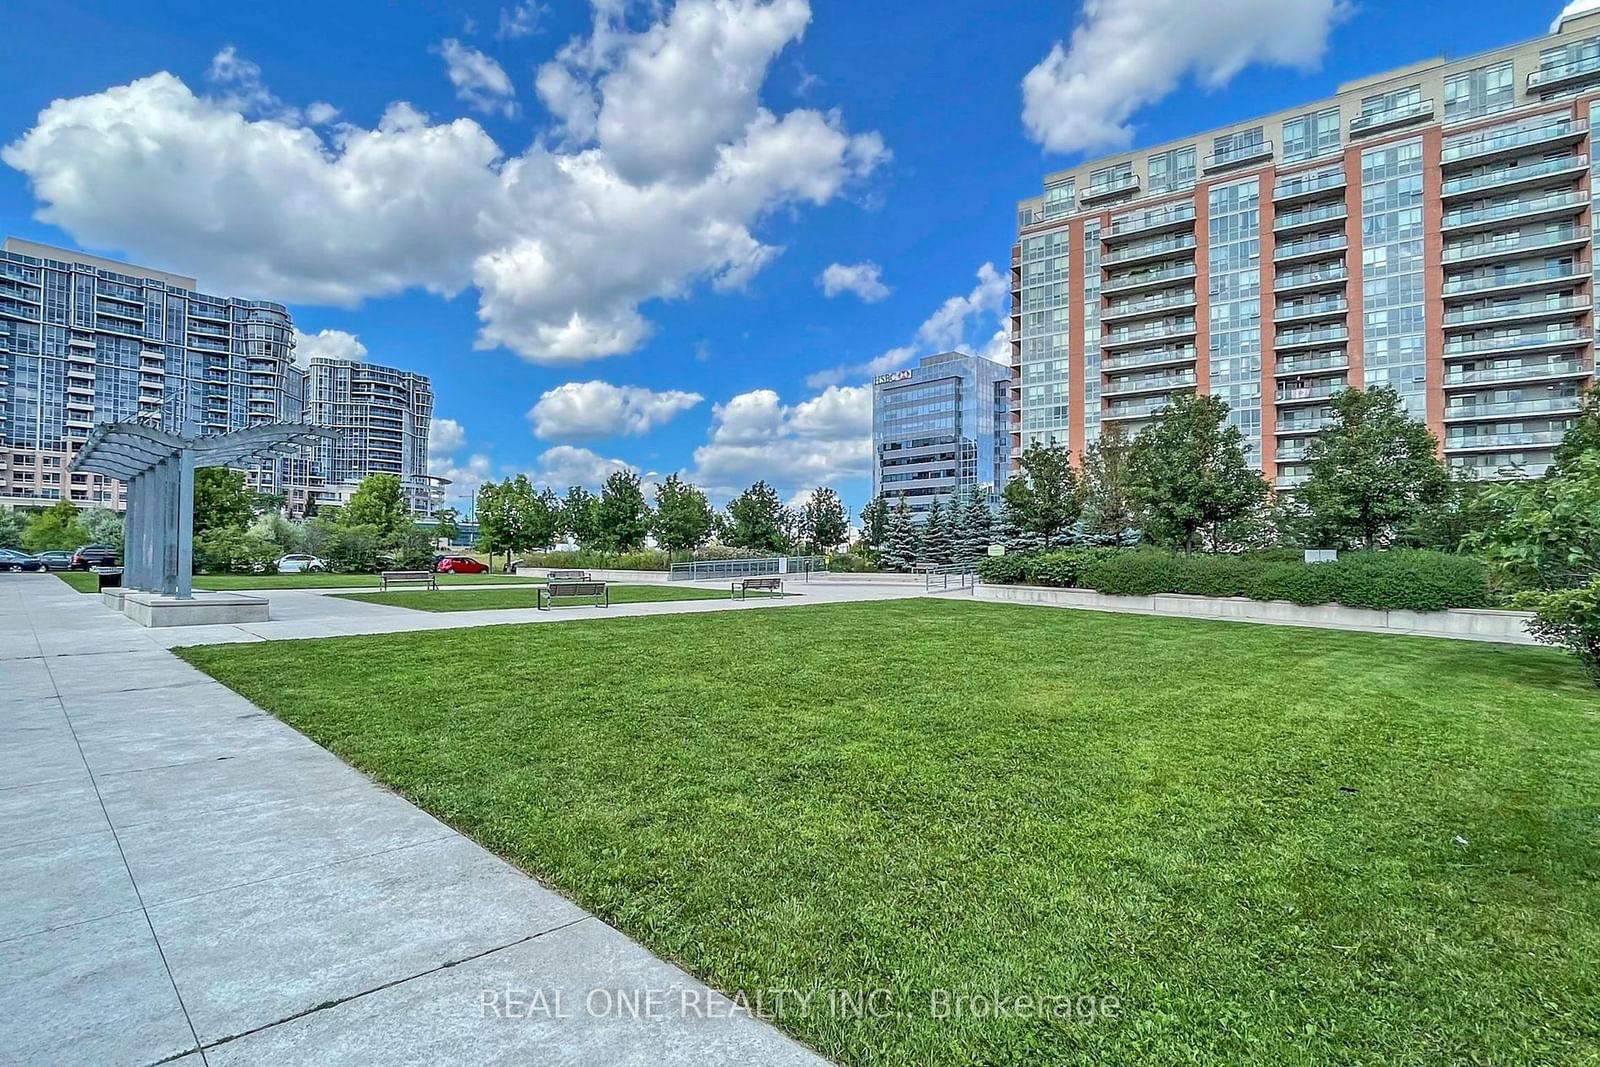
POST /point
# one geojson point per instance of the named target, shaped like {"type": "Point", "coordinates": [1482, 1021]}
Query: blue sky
{"type": "Point", "coordinates": [618, 217]}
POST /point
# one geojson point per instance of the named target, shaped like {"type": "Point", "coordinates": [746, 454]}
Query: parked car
{"type": "Point", "coordinates": [12, 560]}
{"type": "Point", "coordinates": [461, 565]}
{"type": "Point", "coordinates": [88, 556]}
{"type": "Point", "coordinates": [57, 559]}
{"type": "Point", "coordinates": [301, 563]}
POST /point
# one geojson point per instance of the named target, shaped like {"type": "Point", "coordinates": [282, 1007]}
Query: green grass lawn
{"type": "Point", "coordinates": [490, 599]}
{"type": "Point", "coordinates": [1271, 845]}
{"type": "Point", "coordinates": [85, 582]}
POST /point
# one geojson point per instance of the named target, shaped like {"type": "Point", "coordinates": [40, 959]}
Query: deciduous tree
{"type": "Point", "coordinates": [57, 526]}
{"type": "Point", "coordinates": [1191, 475]}
{"type": "Point", "coordinates": [1108, 505]}
{"type": "Point", "coordinates": [756, 520]}
{"type": "Point", "coordinates": [221, 499]}
{"type": "Point", "coordinates": [683, 515]}
{"type": "Point", "coordinates": [622, 516]}
{"type": "Point", "coordinates": [578, 517]}
{"type": "Point", "coordinates": [824, 522]}
{"type": "Point", "coordinates": [875, 522]}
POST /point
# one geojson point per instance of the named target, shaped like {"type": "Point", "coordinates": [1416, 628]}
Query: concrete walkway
{"type": "Point", "coordinates": [187, 880]}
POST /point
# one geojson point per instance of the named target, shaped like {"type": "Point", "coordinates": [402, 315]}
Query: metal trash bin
{"type": "Point", "coordinates": [110, 577]}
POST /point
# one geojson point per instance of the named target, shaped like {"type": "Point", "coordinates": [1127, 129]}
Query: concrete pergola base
{"type": "Point", "coordinates": [198, 609]}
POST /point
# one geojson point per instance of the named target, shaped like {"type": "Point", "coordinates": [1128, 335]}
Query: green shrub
{"type": "Point", "coordinates": [230, 550]}
{"type": "Point", "coordinates": [1403, 580]}
{"type": "Point", "coordinates": [1009, 569]}
{"type": "Point", "coordinates": [856, 561]}
{"type": "Point", "coordinates": [1065, 567]}
{"type": "Point", "coordinates": [1570, 618]}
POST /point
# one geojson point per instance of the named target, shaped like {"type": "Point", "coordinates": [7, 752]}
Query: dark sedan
{"type": "Point", "coordinates": [57, 559]}
{"type": "Point", "coordinates": [11, 560]}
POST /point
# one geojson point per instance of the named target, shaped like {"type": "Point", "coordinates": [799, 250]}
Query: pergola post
{"type": "Point", "coordinates": [185, 531]}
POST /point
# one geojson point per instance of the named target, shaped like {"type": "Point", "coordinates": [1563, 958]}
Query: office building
{"type": "Point", "coordinates": [86, 340]}
{"type": "Point", "coordinates": [1426, 229]}
{"type": "Point", "coordinates": [939, 429]}
{"type": "Point", "coordinates": [382, 416]}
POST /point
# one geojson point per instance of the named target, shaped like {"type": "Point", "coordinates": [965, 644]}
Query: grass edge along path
{"type": "Point", "coordinates": [87, 582]}
{"type": "Point", "coordinates": [508, 599]}
{"type": "Point", "coordinates": [1270, 845]}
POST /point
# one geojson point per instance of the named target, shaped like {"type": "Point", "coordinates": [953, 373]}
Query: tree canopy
{"type": "Point", "coordinates": [1191, 476]}
{"type": "Point", "coordinates": [622, 516]}
{"type": "Point", "coordinates": [756, 520]}
{"type": "Point", "coordinates": [683, 515]}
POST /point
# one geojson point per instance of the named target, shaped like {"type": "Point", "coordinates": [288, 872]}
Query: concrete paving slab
{"type": "Point", "coordinates": [30, 713]}
{"type": "Point", "coordinates": [95, 993]}
{"type": "Point", "coordinates": [248, 957]}
{"type": "Point", "coordinates": [176, 858]}
{"type": "Point", "coordinates": [589, 969]}
{"type": "Point", "coordinates": [66, 807]}
{"type": "Point", "coordinates": [219, 786]}
{"type": "Point", "coordinates": [42, 753]}
{"type": "Point", "coordinates": [118, 672]}
{"type": "Point", "coordinates": [61, 881]}
{"type": "Point", "coordinates": [27, 679]}
{"type": "Point", "coordinates": [171, 738]}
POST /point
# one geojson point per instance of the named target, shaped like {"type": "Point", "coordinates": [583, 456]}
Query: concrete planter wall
{"type": "Point", "coordinates": [1508, 627]}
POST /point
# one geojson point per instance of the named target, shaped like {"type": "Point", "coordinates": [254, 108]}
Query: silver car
{"type": "Point", "coordinates": [300, 563]}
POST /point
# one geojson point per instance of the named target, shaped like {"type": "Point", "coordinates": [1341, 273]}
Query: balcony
{"type": "Point", "coordinates": [1307, 394]}
{"type": "Point", "coordinates": [1170, 330]}
{"type": "Point", "coordinates": [1302, 423]}
{"type": "Point", "coordinates": [1308, 279]}
{"type": "Point", "coordinates": [1520, 278]}
{"type": "Point", "coordinates": [1125, 310]}
{"type": "Point", "coordinates": [1556, 405]}
{"type": "Point", "coordinates": [1311, 310]}
{"type": "Point", "coordinates": [1519, 311]}
{"type": "Point", "coordinates": [1500, 472]}
{"type": "Point", "coordinates": [1517, 342]}
{"type": "Point", "coordinates": [1532, 209]}
{"type": "Point", "coordinates": [1307, 248]}
{"type": "Point", "coordinates": [1537, 241]}
{"type": "Point", "coordinates": [1172, 356]}
{"type": "Point", "coordinates": [1143, 409]}
{"type": "Point", "coordinates": [1126, 185]}
{"type": "Point", "coordinates": [1308, 364]}
{"type": "Point", "coordinates": [1138, 281]}
{"type": "Point", "coordinates": [1290, 481]}
{"type": "Point", "coordinates": [1149, 251]}
{"type": "Point", "coordinates": [1521, 439]}
{"type": "Point", "coordinates": [1291, 339]}
{"type": "Point", "coordinates": [1295, 453]}
{"type": "Point", "coordinates": [1160, 383]}
{"type": "Point", "coordinates": [1309, 217]}
{"type": "Point", "coordinates": [1486, 147]}
{"type": "Point", "coordinates": [1238, 156]}
{"type": "Point", "coordinates": [1513, 177]}
{"type": "Point", "coordinates": [1148, 223]}
{"type": "Point", "coordinates": [1527, 372]}
{"type": "Point", "coordinates": [1303, 187]}
{"type": "Point", "coordinates": [1403, 115]}
{"type": "Point", "coordinates": [1570, 73]}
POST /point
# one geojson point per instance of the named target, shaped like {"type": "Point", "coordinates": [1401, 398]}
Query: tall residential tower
{"type": "Point", "coordinates": [1426, 229]}
{"type": "Point", "coordinates": [382, 416]}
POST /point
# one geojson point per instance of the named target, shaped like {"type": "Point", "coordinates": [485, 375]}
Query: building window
{"type": "Point", "coordinates": [1174, 169]}
{"type": "Point", "coordinates": [1395, 100]}
{"type": "Point", "coordinates": [1482, 91]}
{"type": "Point", "coordinates": [1310, 135]}
{"type": "Point", "coordinates": [1058, 199]}
{"type": "Point", "coordinates": [1111, 177]}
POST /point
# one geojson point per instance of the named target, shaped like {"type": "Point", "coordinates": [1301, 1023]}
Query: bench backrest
{"type": "Point", "coordinates": [763, 583]}
{"type": "Point", "coordinates": [576, 588]}
{"type": "Point", "coordinates": [408, 576]}
{"type": "Point", "coordinates": [571, 576]}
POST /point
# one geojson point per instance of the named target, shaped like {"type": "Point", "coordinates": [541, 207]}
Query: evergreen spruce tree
{"type": "Point", "coordinates": [900, 540]}
{"type": "Point", "coordinates": [935, 535]}
{"type": "Point", "coordinates": [980, 525]}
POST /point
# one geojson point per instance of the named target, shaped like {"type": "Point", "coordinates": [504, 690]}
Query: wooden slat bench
{"type": "Point", "coordinates": [427, 578]}
{"type": "Point", "coordinates": [569, 576]}
{"type": "Point", "coordinates": [742, 587]}
{"type": "Point", "coordinates": [550, 592]}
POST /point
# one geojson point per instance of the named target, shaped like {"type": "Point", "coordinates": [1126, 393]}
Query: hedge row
{"type": "Point", "coordinates": [1401, 580]}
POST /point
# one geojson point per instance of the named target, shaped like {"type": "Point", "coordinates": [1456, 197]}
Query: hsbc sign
{"type": "Point", "coordinates": [897, 376]}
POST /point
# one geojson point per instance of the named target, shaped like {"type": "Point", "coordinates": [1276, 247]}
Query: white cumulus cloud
{"type": "Point", "coordinates": [1128, 54]}
{"type": "Point", "coordinates": [521, 20]}
{"type": "Point", "coordinates": [755, 436]}
{"type": "Point", "coordinates": [568, 465]}
{"type": "Point", "coordinates": [600, 409]}
{"type": "Point", "coordinates": [445, 437]}
{"type": "Point", "coordinates": [331, 344]}
{"type": "Point", "coordinates": [564, 242]}
{"type": "Point", "coordinates": [480, 81]}
{"type": "Point", "coordinates": [863, 279]}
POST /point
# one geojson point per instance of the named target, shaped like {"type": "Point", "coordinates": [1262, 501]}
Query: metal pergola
{"type": "Point", "coordinates": [157, 470]}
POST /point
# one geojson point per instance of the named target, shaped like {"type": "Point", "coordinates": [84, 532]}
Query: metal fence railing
{"type": "Point", "coordinates": [801, 567]}
{"type": "Point", "coordinates": [947, 575]}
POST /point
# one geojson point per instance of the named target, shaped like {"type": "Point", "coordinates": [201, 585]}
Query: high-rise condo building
{"type": "Point", "coordinates": [1427, 229]}
{"type": "Point", "coordinates": [86, 340]}
{"type": "Point", "coordinates": [940, 429]}
{"type": "Point", "coordinates": [382, 416]}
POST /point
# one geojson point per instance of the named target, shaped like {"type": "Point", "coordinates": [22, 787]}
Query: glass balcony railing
{"type": "Point", "coordinates": [1471, 183]}
{"type": "Point", "coordinates": [1467, 346]}
{"type": "Point", "coordinates": [1314, 423]}
{"type": "Point", "coordinates": [1152, 219]}
{"type": "Point", "coordinates": [1496, 279]}
{"type": "Point", "coordinates": [1127, 183]}
{"type": "Point", "coordinates": [1293, 279]}
{"type": "Point", "coordinates": [1516, 309]}
{"type": "Point", "coordinates": [1489, 375]}
{"type": "Point", "coordinates": [1544, 406]}
{"type": "Point", "coordinates": [1294, 249]}
{"type": "Point", "coordinates": [1139, 279]}
{"type": "Point", "coordinates": [1517, 243]}
{"type": "Point", "coordinates": [1238, 155]}
{"type": "Point", "coordinates": [1522, 439]}
{"type": "Point", "coordinates": [1159, 331]}
{"type": "Point", "coordinates": [1136, 409]}
{"type": "Point", "coordinates": [1310, 216]}
{"type": "Point", "coordinates": [1308, 184]}
{"type": "Point", "coordinates": [1155, 383]}
{"type": "Point", "coordinates": [1371, 121]}
{"type": "Point", "coordinates": [1125, 308]}
{"type": "Point", "coordinates": [1499, 142]}
{"type": "Point", "coordinates": [1148, 358]}
{"type": "Point", "coordinates": [1146, 249]}
{"type": "Point", "coordinates": [1293, 338]}
{"type": "Point", "coordinates": [1308, 308]}
{"type": "Point", "coordinates": [1303, 393]}
{"type": "Point", "coordinates": [1515, 208]}
{"type": "Point", "coordinates": [1561, 73]}
{"type": "Point", "coordinates": [1492, 472]}
{"type": "Point", "coordinates": [1311, 364]}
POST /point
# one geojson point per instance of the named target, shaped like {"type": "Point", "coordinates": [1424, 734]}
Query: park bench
{"type": "Point", "coordinates": [548, 593]}
{"type": "Point", "coordinates": [742, 587]}
{"type": "Point", "coordinates": [569, 576]}
{"type": "Point", "coordinates": [427, 578]}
